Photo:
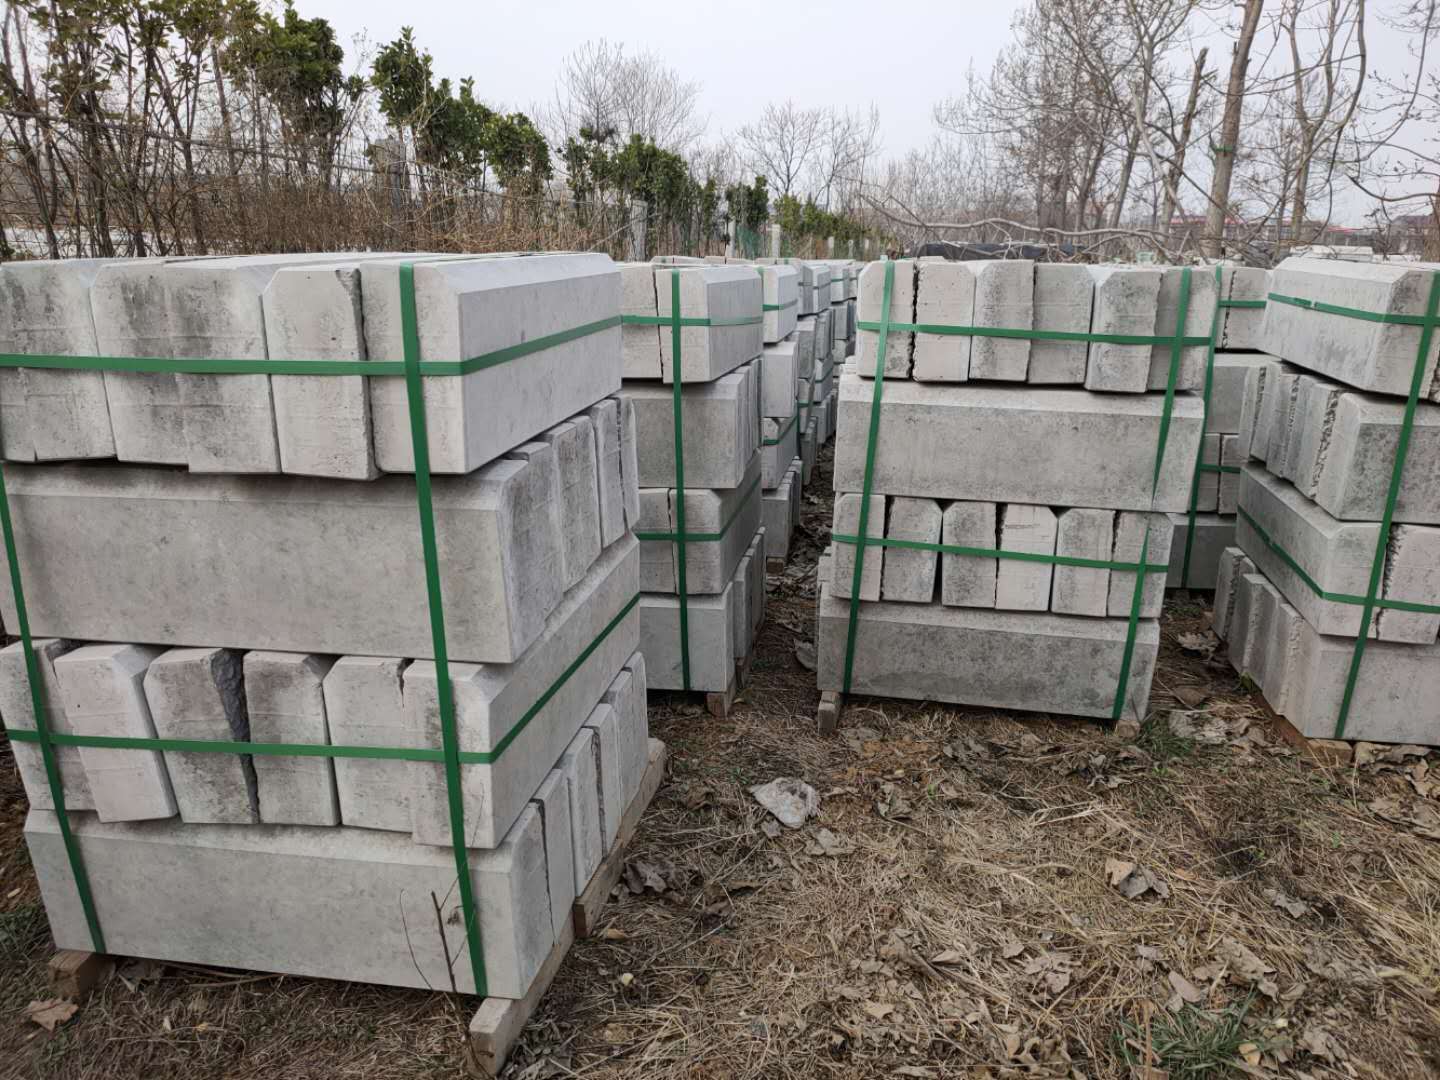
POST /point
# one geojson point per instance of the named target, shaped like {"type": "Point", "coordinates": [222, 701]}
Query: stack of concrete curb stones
{"type": "Point", "coordinates": [236, 562]}
{"type": "Point", "coordinates": [695, 387]}
{"type": "Point", "coordinates": [1056, 452]}
{"type": "Point", "coordinates": [1194, 564]}
{"type": "Point", "coordinates": [1331, 600]}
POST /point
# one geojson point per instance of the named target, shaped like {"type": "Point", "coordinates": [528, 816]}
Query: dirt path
{"type": "Point", "coordinates": [981, 895]}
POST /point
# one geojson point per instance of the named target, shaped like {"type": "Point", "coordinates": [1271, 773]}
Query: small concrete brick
{"type": "Point", "coordinates": [710, 620]}
{"type": "Point", "coordinates": [365, 706]}
{"type": "Point", "coordinates": [1199, 318]}
{"type": "Point", "coordinates": [610, 768]}
{"type": "Point", "coordinates": [1126, 302]}
{"type": "Point", "coordinates": [969, 580]}
{"type": "Point", "coordinates": [847, 523]}
{"type": "Point", "coordinates": [1022, 585]}
{"type": "Point", "coordinates": [945, 294]}
{"type": "Point", "coordinates": [605, 422]}
{"type": "Point", "coordinates": [200, 694]}
{"type": "Point", "coordinates": [102, 686]}
{"type": "Point", "coordinates": [579, 496]}
{"type": "Point", "coordinates": [1213, 534]}
{"type": "Point", "coordinates": [286, 702]}
{"type": "Point", "coordinates": [1081, 590]}
{"type": "Point", "coordinates": [18, 710]}
{"type": "Point", "coordinates": [1064, 296]}
{"type": "Point", "coordinates": [1004, 297]}
{"type": "Point", "coordinates": [1130, 537]}
{"type": "Point", "coordinates": [580, 766]}
{"type": "Point", "coordinates": [900, 343]}
{"type": "Point", "coordinates": [552, 802]}
{"type": "Point", "coordinates": [909, 574]}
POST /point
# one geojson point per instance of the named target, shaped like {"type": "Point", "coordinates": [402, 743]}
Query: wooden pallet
{"type": "Point", "coordinates": [827, 713]}
{"type": "Point", "coordinates": [1325, 752]}
{"type": "Point", "coordinates": [742, 670]}
{"type": "Point", "coordinates": [498, 1022]}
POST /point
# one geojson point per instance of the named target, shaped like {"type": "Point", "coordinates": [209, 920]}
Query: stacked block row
{"type": "Point", "coordinates": [1243, 291]}
{"type": "Point", "coordinates": [226, 601]}
{"type": "Point", "coordinates": [717, 508]}
{"type": "Point", "coordinates": [982, 445]}
{"type": "Point", "coordinates": [1321, 426]}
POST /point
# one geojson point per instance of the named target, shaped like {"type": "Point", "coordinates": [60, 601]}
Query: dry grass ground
{"type": "Point", "coordinates": [981, 894]}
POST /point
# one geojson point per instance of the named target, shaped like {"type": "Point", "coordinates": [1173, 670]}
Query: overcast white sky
{"type": "Point", "coordinates": [904, 55]}
{"type": "Point", "coordinates": [743, 52]}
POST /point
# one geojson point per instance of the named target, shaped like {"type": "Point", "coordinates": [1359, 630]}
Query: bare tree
{"type": "Point", "coordinates": [783, 144]}
{"type": "Point", "coordinates": [1212, 243]}
{"type": "Point", "coordinates": [601, 88]}
{"type": "Point", "coordinates": [847, 143]}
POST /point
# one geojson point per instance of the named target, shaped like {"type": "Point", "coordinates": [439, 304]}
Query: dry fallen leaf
{"type": "Point", "coordinates": [611, 933]}
{"type": "Point", "coordinates": [1186, 992]}
{"type": "Point", "coordinates": [1422, 818]}
{"type": "Point", "coordinates": [1190, 696]}
{"type": "Point", "coordinates": [1205, 643]}
{"type": "Point", "coordinates": [1285, 902]}
{"type": "Point", "coordinates": [1133, 880]}
{"type": "Point", "coordinates": [1246, 968]}
{"type": "Point", "coordinates": [827, 843]}
{"type": "Point", "coordinates": [1250, 1052]}
{"type": "Point", "coordinates": [792, 802]}
{"type": "Point", "coordinates": [878, 1010]}
{"type": "Point", "coordinates": [51, 1012]}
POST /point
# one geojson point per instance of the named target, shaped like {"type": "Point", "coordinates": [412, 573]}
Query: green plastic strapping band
{"type": "Point", "coordinates": [1242, 303]}
{"type": "Point", "coordinates": [874, 430]}
{"type": "Point", "coordinates": [332, 750]}
{"type": "Point", "coordinates": [1001, 553]}
{"type": "Point", "coordinates": [676, 322]}
{"type": "Point", "coordinates": [680, 536]}
{"type": "Point", "coordinates": [794, 419]}
{"type": "Point", "coordinates": [689, 320]}
{"type": "Point", "coordinates": [955, 330]}
{"type": "Point", "coordinates": [441, 368]}
{"type": "Point", "coordinates": [1427, 323]}
{"type": "Point", "coordinates": [1314, 586]}
{"type": "Point", "coordinates": [42, 727]}
{"type": "Point", "coordinates": [1204, 423]}
{"type": "Point", "coordinates": [779, 307]}
{"type": "Point", "coordinates": [449, 737]}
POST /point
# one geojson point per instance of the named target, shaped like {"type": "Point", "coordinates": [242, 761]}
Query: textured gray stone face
{"type": "Point", "coordinates": [491, 699]}
{"type": "Point", "coordinates": [580, 765]}
{"type": "Point", "coordinates": [200, 694]}
{"type": "Point", "coordinates": [968, 580]}
{"type": "Point", "coordinates": [711, 622]}
{"type": "Point", "coordinates": [579, 496]}
{"type": "Point", "coordinates": [928, 433]}
{"type": "Point", "coordinates": [847, 523]}
{"type": "Point", "coordinates": [1337, 555]}
{"type": "Point", "coordinates": [718, 429]}
{"type": "Point", "coordinates": [204, 894]}
{"type": "Point", "coordinates": [1366, 355]}
{"type": "Point", "coordinates": [18, 710]}
{"type": "Point", "coordinates": [1227, 390]}
{"type": "Point", "coordinates": [721, 294]}
{"type": "Point", "coordinates": [1303, 672]}
{"type": "Point", "coordinates": [945, 295]}
{"type": "Point", "coordinates": [1083, 534]}
{"type": "Point", "coordinates": [102, 686]}
{"type": "Point", "coordinates": [909, 574]}
{"type": "Point", "coordinates": [782, 289]}
{"type": "Point", "coordinates": [476, 307]}
{"type": "Point", "coordinates": [1004, 297]}
{"type": "Point", "coordinates": [364, 706]}
{"type": "Point", "coordinates": [1022, 585]}
{"type": "Point", "coordinates": [1242, 328]}
{"type": "Point", "coordinates": [902, 306]}
{"type": "Point", "coordinates": [994, 659]}
{"type": "Point", "coordinates": [1126, 302]}
{"type": "Point", "coordinates": [1213, 534]}
{"type": "Point", "coordinates": [241, 563]}
{"type": "Point", "coordinates": [731, 513]}
{"type": "Point", "coordinates": [1064, 296]}
{"type": "Point", "coordinates": [610, 485]}
{"type": "Point", "coordinates": [552, 802]}
{"type": "Point", "coordinates": [1199, 319]}
{"type": "Point", "coordinates": [779, 371]}
{"type": "Point", "coordinates": [1130, 539]}
{"type": "Point", "coordinates": [45, 309]}
{"type": "Point", "coordinates": [606, 726]}
{"type": "Point", "coordinates": [286, 703]}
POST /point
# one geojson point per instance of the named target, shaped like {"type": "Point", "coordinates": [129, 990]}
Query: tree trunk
{"type": "Point", "coordinates": [1213, 243]}
{"type": "Point", "coordinates": [1177, 164]}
